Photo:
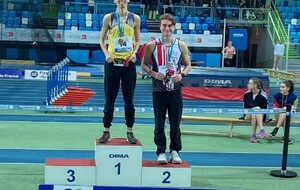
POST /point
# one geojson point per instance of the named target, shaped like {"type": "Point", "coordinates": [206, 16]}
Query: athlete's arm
{"type": "Point", "coordinates": [104, 30]}
{"type": "Point", "coordinates": [185, 58]}
{"type": "Point", "coordinates": [136, 43]}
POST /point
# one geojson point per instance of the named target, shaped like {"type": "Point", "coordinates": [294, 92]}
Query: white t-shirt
{"type": "Point", "coordinates": [279, 49]}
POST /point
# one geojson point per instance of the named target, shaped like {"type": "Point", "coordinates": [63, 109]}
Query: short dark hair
{"type": "Point", "coordinates": [167, 16]}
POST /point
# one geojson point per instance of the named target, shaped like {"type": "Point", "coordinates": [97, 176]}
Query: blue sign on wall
{"type": "Point", "coordinates": [239, 38]}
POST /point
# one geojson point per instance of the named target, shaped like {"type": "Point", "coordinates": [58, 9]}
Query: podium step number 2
{"type": "Point", "coordinates": [168, 175]}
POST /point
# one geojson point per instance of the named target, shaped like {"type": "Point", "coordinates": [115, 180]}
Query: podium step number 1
{"type": "Point", "coordinates": [118, 163]}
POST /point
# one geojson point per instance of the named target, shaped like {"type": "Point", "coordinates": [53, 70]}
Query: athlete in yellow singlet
{"type": "Point", "coordinates": [123, 30]}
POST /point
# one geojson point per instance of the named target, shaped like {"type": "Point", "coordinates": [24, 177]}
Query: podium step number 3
{"type": "Point", "coordinates": [70, 172]}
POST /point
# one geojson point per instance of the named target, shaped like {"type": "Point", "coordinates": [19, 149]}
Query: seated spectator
{"type": "Point", "coordinates": [281, 100]}
{"type": "Point", "coordinates": [254, 98]}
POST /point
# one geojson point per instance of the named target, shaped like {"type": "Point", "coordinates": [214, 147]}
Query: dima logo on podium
{"type": "Point", "coordinates": [118, 156]}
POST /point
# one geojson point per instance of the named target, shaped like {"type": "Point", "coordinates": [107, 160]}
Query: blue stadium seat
{"type": "Point", "coordinates": [186, 31]}
{"type": "Point", "coordinates": [74, 22]}
{"type": "Point", "coordinates": [202, 20]}
{"type": "Point", "coordinates": [287, 21]}
{"type": "Point", "coordinates": [23, 26]}
{"type": "Point", "coordinates": [74, 16]}
{"type": "Point", "coordinates": [25, 14]}
{"type": "Point", "coordinates": [293, 34]}
{"type": "Point", "coordinates": [193, 32]}
{"type": "Point", "coordinates": [81, 28]}
{"type": "Point", "coordinates": [294, 9]}
{"type": "Point", "coordinates": [60, 27]}
{"type": "Point", "coordinates": [284, 15]}
{"type": "Point", "coordinates": [298, 4]}
{"type": "Point", "coordinates": [182, 19]}
{"type": "Point", "coordinates": [296, 40]}
{"type": "Point", "coordinates": [198, 26]}
{"type": "Point", "coordinates": [81, 23]}
{"type": "Point", "coordinates": [77, 9]}
{"type": "Point", "coordinates": [196, 19]}
{"type": "Point", "coordinates": [298, 34]}
{"type": "Point", "coordinates": [204, 26]}
{"type": "Point", "coordinates": [68, 23]}
{"type": "Point", "coordinates": [281, 9]}
{"type": "Point", "coordinates": [213, 32]}
{"type": "Point", "coordinates": [95, 16]}
{"type": "Point", "coordinates": [81, 16]}
{"type": "Point", "coordinates": [88, 28]}
{"type": "Point", "coordinates": [8, 26]}
{"type": "Point", "coordinates": [95, 28]}
{"type": "Point", "coordinates": [10, 20]}
{"type": "Point", "coordinates": [84, 9]}
{"type": "Point", "coordinates": [200, 32]}
{"type": "Point", "coordinates": [96, 23]}
{"type": "Point", "coordinates": [184, 26]}
{"type": "Point", "coordinates": [177, 19]}
{"type": "Point", "coordinates": [144, 30]}
{"type": "Point", "coordinates": [12, 13]}
{"type": "Point", "coordinates": [292, 3]}
{"type": "Point", "coordinates": [71, 9]}
{"type": "Point", "coordinates": [209, 20]}
{"type": "Point", "coordinates": [16, 26]}
{"type": "Point", "coordinates": [290, 15]}
{"type": "Point", "coordinates": [63, 8]}
{"type": "Point", "coordinates": [3, 19]}
{"type": "Point", "coordinates": [189, 19]}
{"type": "Point", "coordinates": [4, 13]}
{"type": "Point", "coordinates": [211, 27]}
{"type": "Point", "coordinates": [17, 20]}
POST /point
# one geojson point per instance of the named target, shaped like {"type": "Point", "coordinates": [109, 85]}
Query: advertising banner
{"type": "Point", "coordinates": [42, 75]}
{"type": "Point", "coordinates": [11, 74]}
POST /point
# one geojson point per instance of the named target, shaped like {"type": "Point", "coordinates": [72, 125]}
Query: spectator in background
{"type": "Point", "coordinates": [146, 3]}
{"type": "Point", "coordinates": [166, 53]}
{"type": "Point", "coordinates": [278, 54]}
{"type": "Point", "coordinates": [123, 30]}
{"type": "Point", "coordinates": [51, 4]}
{"type": "Point", "coordinates": [255, 98]}
{"type": "Point", "coordinates": [283, 98]}
{"type": "Point", "coordinates": [153, 8]}
{"type": "Point", "coordinates": [229, 52]}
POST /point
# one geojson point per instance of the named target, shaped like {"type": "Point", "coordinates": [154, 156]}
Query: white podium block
{"type": "Point", "coordinates": [166, 175]}
{"type": "Point", "coordinates": [118, 163]}
{"type": "Point", "coordinates": [70, 172]}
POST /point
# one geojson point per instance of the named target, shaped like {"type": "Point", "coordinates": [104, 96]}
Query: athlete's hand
{"type": "Point", "coordinates": [132, 58]}
{"type": "Point", "coordinates": [177, 78]}
{"type": "Point", "coordinates": [157, 75]}
{"type": "Point", "coordinates": [109, 59]}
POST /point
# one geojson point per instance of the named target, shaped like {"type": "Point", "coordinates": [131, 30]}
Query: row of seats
{"type": "Point", "coordinates": [194, 19]}
{"type": "Point", "coordinates": [292, 21]}
{"type": "Point", "coordinates": [290, 3]}
{"type": "Point", "coordinates": [86, 27]}
{"type": "Point", "coordinates": [99, 7]}
{"type": "Point", "coordinates": [81, 20]}
{"type": "Point", "coordinates": [193, 26]}
{"type": "Point", "coordinates": [16, 19]}
{"type": "Point", "coordinates": [13, 13]}
{"type": "Point", "coordinates": [205, 32]}
{"type": "Point", "coordinates": [285, 15]}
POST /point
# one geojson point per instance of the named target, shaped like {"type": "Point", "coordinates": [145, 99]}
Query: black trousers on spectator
{"type": "Point", "coordinates": [170, 101]}
{"type": "Point", "coordinates": [115, 75]}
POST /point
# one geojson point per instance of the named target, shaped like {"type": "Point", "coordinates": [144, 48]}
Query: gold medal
{"type": "Point", "coordinates": [120, 41]}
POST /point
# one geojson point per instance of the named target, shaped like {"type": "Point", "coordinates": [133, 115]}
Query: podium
{"type": "Point", "coordinates": [116, 164]}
